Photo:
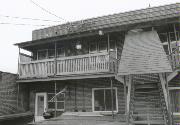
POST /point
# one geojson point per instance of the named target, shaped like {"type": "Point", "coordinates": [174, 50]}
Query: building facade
{"type": "Point", "coordinates": [79, 67]}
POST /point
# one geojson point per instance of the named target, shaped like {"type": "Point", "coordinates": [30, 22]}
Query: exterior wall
{"type": "Point", "coordinates": [75, 87]}
{"type": "Point", "coordinates": [11, 101]}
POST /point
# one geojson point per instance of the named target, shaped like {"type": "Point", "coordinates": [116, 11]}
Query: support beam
{"type": "Point", "coordinates": [125, 99]}
{"type": "Point", "coordinates": [55, 91]}
{"type": "Point", "coordinates": [129, 93]}
{"type": "Point", "coordinates": [120, 79]}
{"type": "Point", "coordinates": [112, 95]}
{"type": "Point", "coordinates": [172, 75]}
{"type": "Point", "coordinates": [169, 104]}
{"type": "Point", "coordinates": [163, 84]}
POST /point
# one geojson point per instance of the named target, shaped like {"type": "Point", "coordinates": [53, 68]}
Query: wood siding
{"type": "Point", "coordinates": [78, 85]}
{"type": "Point", "coordinates": [143, 53]}
{"type": "Point", "coordinates": [13, 98]}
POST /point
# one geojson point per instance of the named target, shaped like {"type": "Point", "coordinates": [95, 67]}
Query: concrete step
{"type": "Point", "coordinates": [146, 122]}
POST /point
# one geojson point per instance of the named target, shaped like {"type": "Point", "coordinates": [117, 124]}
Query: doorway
{"type": "Point", "coordinates": [40, 106]}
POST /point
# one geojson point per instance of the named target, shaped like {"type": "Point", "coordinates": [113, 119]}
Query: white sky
{"type": "Point", "coordinates": [70, 10]}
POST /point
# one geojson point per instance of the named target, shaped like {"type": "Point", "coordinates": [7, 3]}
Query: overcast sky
{"type": "Point", "coordinates": [69, 10]}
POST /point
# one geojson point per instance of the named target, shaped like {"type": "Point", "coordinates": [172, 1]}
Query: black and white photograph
{"type": "Point", "coordinates": [89, 62]}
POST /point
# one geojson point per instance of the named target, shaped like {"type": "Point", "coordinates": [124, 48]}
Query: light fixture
{"type": "Point", "coordinates": [78, 45]}
{"type": "Point", "coordinates": [101, 32]}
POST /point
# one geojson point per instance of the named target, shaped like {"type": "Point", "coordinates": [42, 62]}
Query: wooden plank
{"type": "Point", "coordinates": [143, 53]}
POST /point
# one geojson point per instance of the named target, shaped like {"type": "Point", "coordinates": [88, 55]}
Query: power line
{"type": "Point", "coordinates": [27, 18]}
{"type": "Point", "coordinates": [22, 24]}
{"type": "Point", "coordinates": [48, 11]}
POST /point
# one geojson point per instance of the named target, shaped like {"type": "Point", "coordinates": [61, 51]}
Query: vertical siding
{"type": "Point", "coordinates": [12, 101]}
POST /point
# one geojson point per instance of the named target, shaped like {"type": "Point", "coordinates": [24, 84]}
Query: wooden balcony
{"type": "Point", "coordinates": [74, 65]}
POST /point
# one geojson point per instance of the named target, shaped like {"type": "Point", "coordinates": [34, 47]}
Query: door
{"type": "Point", "coordinates": [40, 105]}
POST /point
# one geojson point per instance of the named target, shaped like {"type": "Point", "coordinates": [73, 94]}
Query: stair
{"type": "Point", "coordinates": [146, 107]}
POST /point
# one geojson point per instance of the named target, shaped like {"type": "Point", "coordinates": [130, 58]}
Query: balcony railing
{"type": "Point", "coordinates": [84, 64]}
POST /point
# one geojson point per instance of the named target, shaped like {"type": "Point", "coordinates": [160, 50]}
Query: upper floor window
{"type": "Point", "coordinates": [51, 53]}
{"type": "Point", "coordinates": [60, 52]}
{"type": "Point", "coordinates": [42, 54]}
{"type": "Point", "coordinates": [93, 47]}
{"type": "Point", "coordinates": [103, 46]}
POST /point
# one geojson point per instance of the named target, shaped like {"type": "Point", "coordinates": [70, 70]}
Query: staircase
{"type": "Point", "coordinates": [147, 106]}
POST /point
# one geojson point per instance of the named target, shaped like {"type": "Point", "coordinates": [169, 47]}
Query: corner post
{"type": "Point", "coordinates": [55, 58]}
{"type": "Point", "coordinates": [125, 99]}
{"type": "Point", "coordinates": [112, 101]}
{"type": "Point", "coordinates": [168, 99]}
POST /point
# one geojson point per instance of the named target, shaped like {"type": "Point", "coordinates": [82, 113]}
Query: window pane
{"type": "Point", "coordinates": [60, 97]}
{"type": "Point", "coordinates": [60, 52]}
{"type": "Point", "coordinates": [51, 53]}
{"type": "Point", "coordinates": [108, 100]}
{"type": "Point", "coordinates": [103, 46]}
{"type": "Point", "coordinates": [112, 45]}
{"type": "Point", "coordinates": [42, 54]}
{"type": "Point", "coordinates": [175, 100]}
{"type": "Point", "coordinates": [51, 105]}
{"type": "Point", "coordinates": [99, 100]}
{"type": "Point", "coordinates": [60, 105]}
{"type": "Point", "coordinates": [93, 47]}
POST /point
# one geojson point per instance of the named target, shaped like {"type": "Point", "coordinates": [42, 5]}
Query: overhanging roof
{"type": "Point", "coordinates": [126, 18]}
{"type": "Point", "coordinates": [110, 21]}
{"type": "Point", "coordinates": [143, 53]}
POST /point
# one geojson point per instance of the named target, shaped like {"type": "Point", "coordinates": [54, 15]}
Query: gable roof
{"type": "Point", "coordinates": [143, 53]}
{"type": "Point", "coordinates": [126, 18]}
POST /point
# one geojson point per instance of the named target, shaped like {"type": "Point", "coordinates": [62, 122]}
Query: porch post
{"type": "Point", "coordinates": [17, 95]}
{"type": "Point", "coordinates": [112, 101]}
{"type": "Point", "coordinates": [168, 99]}
{"type": "Point", "coordinates": [129, 96]}
{"type": "Point", "coordinates": [55, 58]}
{"type": "Point", "coordinates": [125, 99]}
{"type": "Point", "coordinates": [19, 61]}
{"type": "Point", "coordinates": [55, 92]}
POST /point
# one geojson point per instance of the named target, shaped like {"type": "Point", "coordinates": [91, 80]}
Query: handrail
{"type": "Point", "coordinates": [176, 49]}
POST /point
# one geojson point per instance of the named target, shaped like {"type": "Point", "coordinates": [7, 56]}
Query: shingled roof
{"type": "Point", "coordinates": [120, 19]}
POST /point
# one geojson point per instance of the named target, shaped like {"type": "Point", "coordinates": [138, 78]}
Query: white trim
{"type": "Point", "coordinates": [174, 88]}
{"type": "Point", "coordinates": [115, 88]}
{"type": "Point", "coordinates": [45, 101]}
{"type": "Point", "coordinates": [176, 113]}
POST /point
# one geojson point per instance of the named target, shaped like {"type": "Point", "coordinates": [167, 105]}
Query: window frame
{"type": "Point", "coordinates": [56, 101]}
{"type": "Point", "coordinates": [93, 108]}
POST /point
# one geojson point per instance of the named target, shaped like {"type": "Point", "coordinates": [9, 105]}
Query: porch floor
{"type": "Point", "coordinates": [119, 119]}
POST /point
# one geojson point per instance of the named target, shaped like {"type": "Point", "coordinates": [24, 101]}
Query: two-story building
{"type": "Point", "coordinates": [125, 64]}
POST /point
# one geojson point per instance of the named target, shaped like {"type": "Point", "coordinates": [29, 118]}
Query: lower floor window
{"type": "Point", "coordinates": [60, 101]}
{"type": "Point", "coordinates": [175, 100]}
{"type": "Point", "coordinates": [103, 100]}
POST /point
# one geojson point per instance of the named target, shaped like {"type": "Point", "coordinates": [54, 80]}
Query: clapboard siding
{"type": "Point", "coordinates": [10, 100]}
{"type": "Point", "coordinates": [88, 84]}
{"type": "Point", "coordinates": [143, 53]}
{"type": "Point", "coordinates": [120, 19]}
